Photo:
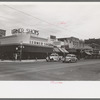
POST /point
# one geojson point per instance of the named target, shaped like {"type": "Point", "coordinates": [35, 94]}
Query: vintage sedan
{"type": "Point", "coordinates": [70, 58]}
{"type": "Point", "coordinates": [53, 57]}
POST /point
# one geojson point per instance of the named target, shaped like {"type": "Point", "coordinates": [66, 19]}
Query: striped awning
{"type": "Point", "coordinates": [88, 53]}
{"type": "Point", "coordinates": [65, 50]}
{"type": "Point", "coordinates": [61, 50]}
{"type": "Point", "coordinates": [56, 50]}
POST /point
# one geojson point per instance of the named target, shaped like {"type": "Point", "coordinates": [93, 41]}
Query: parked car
{"type": "Point", "coordinates": [70, 58]}
{"type": "Point", "coordinates": [53, 57]}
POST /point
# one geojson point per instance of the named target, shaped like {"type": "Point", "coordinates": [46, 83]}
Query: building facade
{"type": "Point", "coordinates": [24, 46]}
{"type": "Point", "coordinates": [72, 42]}
{"type": "Point", "coordinates": [76, 46]}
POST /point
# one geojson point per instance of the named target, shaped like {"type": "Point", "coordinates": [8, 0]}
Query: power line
{"type": "Point", "coordinates": [25, 23]}
{"type": "Point", "coordinates": [31, 16]}
{"type": "Point", "coordinates": [38, 18]}
{"type": "Point", "coordinates": [34, 17]}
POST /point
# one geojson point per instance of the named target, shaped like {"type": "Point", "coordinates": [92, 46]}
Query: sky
{"type": "Point", "coordinates": [62, 19]}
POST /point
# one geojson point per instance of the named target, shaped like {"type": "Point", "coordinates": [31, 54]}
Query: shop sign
{"type": "Point", "coordinates": [22, 30]}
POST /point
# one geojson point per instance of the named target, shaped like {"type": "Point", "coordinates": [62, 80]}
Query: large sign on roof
{"type": "Point", "coordinates": [22, 30]}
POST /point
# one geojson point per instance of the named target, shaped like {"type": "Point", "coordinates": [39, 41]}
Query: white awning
{"type": "Point", "coordinates": [56, 49]}
{"type": "Point", "coordinates": [88, 53]}
{"type": "Point", "coordinates": [61, 50]}
{"type": "Point", "coordinates": [65, 50]}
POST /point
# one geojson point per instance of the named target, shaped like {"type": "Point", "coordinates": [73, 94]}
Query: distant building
{"type": "Point", "coordinates": [75, 46]}
{"type": "Point", "coordinates": [95, 44]}
{"type": "Point", "coordinates": [72, 42]}
{"type": "Point", "coordinates": [93, 40]}
{"type": "Point", "coordinates": [58, 46]}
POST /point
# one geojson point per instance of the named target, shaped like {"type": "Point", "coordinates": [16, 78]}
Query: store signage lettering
{"type": "Point", "coordinates": [28, 31]}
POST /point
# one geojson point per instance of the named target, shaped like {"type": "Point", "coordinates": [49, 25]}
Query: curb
{"type": "Point", "coordinates": [23, 61]}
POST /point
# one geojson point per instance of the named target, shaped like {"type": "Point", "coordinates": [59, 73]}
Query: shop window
{"type": "Point", "coordinates": [34, 42]}
{"type": "Point", "coordinates": [41, 43]}
{"type": "Point", "coordinates": [46, 43]}
{"type": "Point", "coordinates": [37, 43]}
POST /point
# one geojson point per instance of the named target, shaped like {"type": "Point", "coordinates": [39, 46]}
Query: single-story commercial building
{"type": "Point", "coordinates": [24, 46]}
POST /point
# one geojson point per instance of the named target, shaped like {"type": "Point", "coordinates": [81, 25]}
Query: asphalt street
{"type": "Point", "coordinates": [86, 70]}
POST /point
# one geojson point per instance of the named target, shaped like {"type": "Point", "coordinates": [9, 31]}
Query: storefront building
{"type": "Point", "coordinates": [24, 45]}
{"type": "Point", "coordinates": [76, 46]}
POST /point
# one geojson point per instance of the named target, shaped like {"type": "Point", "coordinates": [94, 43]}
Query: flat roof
{"type": "Point", "coordinates": [39, 37]}
{"type": "Point", "coordinates": [26, 35]}
{"type": "Point", "coordinates": [68, 38]}
{"type": "Point", "coordinates": [8, 36]}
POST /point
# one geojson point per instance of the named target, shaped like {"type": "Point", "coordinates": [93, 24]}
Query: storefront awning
{"type": "Point", "coordinates": [88, 53]}
{"type": "Point", "coordinates": [65, 50]}
{"type": "Point", "coordinates": [61, 50]}
{"type": "Point", "coordinates": [56, 50]}
{"type": "Point", "coordinates": [72, 50]}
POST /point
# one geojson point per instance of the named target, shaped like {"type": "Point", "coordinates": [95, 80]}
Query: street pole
{"type": "Point", "coordinates": [21, 51]}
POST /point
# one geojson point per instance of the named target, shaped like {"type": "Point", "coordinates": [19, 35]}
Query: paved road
{"type": "Point", "coordinates": [82, 70]}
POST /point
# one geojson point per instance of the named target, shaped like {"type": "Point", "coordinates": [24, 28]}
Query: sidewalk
{"type": "Point", "coordinates": [39, 60]}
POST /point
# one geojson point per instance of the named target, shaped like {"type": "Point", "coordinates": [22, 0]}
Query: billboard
{"type": "Point", "coordinates": [2, 33]}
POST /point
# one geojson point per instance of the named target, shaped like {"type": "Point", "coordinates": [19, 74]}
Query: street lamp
{"type": "Point", "coordinates": [21, 49]}
{"type": "Point", "coordinates": [16, 54]}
